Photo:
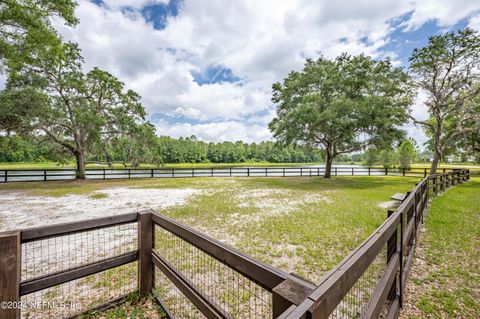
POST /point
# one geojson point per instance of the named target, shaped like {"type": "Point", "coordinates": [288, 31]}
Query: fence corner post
{"type": "Point", "coordinates": [286, 294]}
{"type": "Point", "coordinates": [145, 247]}
{"type": "Point", "coordinates": [10, 275]}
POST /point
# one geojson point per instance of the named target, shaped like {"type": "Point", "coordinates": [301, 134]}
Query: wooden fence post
{"type": "Point", "coordinates": [369, 171]}
{"type": "Point", "coordinates": [151, 173]}
{"type": "Point", "coordinates": [401, 261]}
{"type": "Point", "coordinates": [286, 294]}
{"type": "Point", "coordinates": [386, 171]}
{"type": "Point", "coordinates": [6, 176]}
{"type": "Point", "coordinates": [145, 246]}
{"type": "Point", "coordinates": [10, 263]}
{"type": "Point", "coordinates": [392, 249]}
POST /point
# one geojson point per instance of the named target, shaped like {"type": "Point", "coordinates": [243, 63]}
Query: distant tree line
{"type": "Point", "coordinates": [52, 108]}
{"type": "Point", "coordinates": [158, 151]}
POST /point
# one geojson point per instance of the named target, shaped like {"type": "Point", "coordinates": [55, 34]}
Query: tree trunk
{"type": "Point", "coordinates": [328, 166]}
{"type": "Point", "coordinates": [436, 160]}
{"type": "Point", "coordinates": [437, 155]}
{"type": "Point", "coordinates": [80, 172]}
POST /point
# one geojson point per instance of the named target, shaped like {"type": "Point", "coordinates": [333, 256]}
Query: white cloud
{"type": "Point", "coordinates": [445, 12]}
{"type": "Point", "coordinates": [217, 132]}
{"type": "Point", "coordinates": [474, 22]}
{"type": "Point", "coordinates": [260, 41]}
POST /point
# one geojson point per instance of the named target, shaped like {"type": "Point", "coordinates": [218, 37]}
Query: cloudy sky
{"type": "Point", "coordinates": [205, 67]}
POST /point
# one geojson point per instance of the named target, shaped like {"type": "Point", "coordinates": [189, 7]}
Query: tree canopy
{"type": "Point", "coordinates": [447, 69]}
{"type": "Point", "coordinates": [79, 111]}
{"type": "Point", "coordinates": [25, 27]}
{"type": "Point", "coordinates": [342, 105]}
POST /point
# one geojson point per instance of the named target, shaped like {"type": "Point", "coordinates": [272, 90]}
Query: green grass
{"type": "Point", "coordinates": [300, 224]}
{"type": "Point", "coordinates": [308, 225]}
{"type": "Point", "coordinates": [446, 276]}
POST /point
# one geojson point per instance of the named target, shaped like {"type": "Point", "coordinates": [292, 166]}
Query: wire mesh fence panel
{"type": "Point", "coordinates": [221, 285]}
{"type": "Point", "coordinates": [55, 255]}
{"type": "Point", "coordinates": [80, 295]}
{"type": "Point", "coordinates": [52, 255]}
{"type": "Point", "coordinates": [354, 304]}
{"type": "Point", "coordinates": [177, 303]}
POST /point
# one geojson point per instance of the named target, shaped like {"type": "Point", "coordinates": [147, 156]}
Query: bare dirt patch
{"type": "Point", "coordinates": [20, 210]}
{"type": "Point", "coordinates": [275, 202]}
{"type": "Point", "coordinates": [389, 204]}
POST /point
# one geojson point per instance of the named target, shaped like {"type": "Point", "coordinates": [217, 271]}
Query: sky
{"type": "Point", "coordinates": [206, 68]}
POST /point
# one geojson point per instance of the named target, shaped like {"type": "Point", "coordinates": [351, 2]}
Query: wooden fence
{"type": "Point", "coordinates": [31, 175]}
{"type": "Point", "coordinates": [398, 235]}
{"type": "Point", "coordinates": [68, 269]}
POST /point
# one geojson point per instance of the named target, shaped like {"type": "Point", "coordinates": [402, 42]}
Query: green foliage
{"type": "Point", "coordinates": [342, 105]}
{"type": "Point", "coordinates": [25, 28]}
{"type": "Point", "coordinates": [192, 150]}
{"type": "Point", "coordinates": [447, 70]}
{"type": "Point", "coordinates": [388, 158]}
{"type": "Point", "coordinates": [80, 112]}
{"type": "Point", "coordinates": [371, 157]}
{"type": "Point", "coordinates": [407, 153]}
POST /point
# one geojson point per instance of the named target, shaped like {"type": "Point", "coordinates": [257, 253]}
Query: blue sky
{"type": "Point", "coordinates": [205, 68]}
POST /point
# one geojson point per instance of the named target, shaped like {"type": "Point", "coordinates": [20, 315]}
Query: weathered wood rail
{"type": "Point", "coordinates": [399, 235]}
{"type": "Point", "coordinates": [32, 175]}
{"type": "Point", "coordinates": [194, 275]}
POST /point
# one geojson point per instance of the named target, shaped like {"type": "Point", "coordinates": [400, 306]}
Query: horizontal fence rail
{"type": "Point", "coordinates": [370, 281]}
{"type": "Point", "coordinates": [66, 270]}
{"type": "Point", "coordinates": [63, 271]}
{"type": "Point", "coordinates": [31, 175]}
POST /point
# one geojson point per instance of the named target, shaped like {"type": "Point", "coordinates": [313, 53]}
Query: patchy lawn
{"type": "Point", "coordinates": [299, 224]}
{"type": "Point", "coordinates": [445, 279]}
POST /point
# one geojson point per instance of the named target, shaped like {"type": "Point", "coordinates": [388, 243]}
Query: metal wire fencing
{"type": "Point", "coordinates": [68, 272]}
{"type": "Point", "coordinates": [356, 301]}
{"type": "Point", "coordinates": [231, 293]}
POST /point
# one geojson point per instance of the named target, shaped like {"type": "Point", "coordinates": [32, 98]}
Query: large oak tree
{"type": "Point", "coordinates": [53, 98]}
{"type": "Point", "coordinates": [342, 105]}
{"type": "Point", "coordinates": [448, 70]}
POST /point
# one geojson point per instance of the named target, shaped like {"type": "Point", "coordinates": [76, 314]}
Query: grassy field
{"type": "Point", "coordinates": [445, 281]}
{"type": "Point", "coordinates": [307, 225]}
{"type": "Point", "coordinates": [304, 225]}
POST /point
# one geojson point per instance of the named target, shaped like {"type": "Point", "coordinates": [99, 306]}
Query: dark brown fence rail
{"type": "Point", "coordinates": [62, 271]}
{"type": "Point", "coordinates": [65, 270]}
{"type": "Point", "coordinates": [371, 280]}
{"type": "Point", "coordinates": [31, 175]}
